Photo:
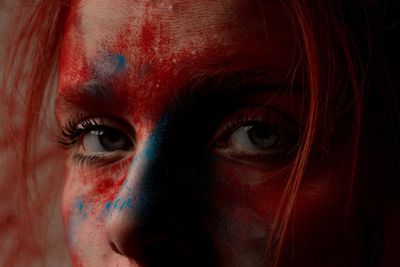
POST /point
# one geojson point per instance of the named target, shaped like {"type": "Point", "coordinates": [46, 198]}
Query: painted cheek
{"type": "Point", "coordinates": [80, 228]}
{"type": "Point", "coordinates": [89, 196]}
{"type": "Point", "coordinates": [103, 196]}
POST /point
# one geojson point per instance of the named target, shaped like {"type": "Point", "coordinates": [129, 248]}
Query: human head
{"type": "Point", "coordinates": [185, 184]}
{"type": "Point", "coordinates": [309, 176]}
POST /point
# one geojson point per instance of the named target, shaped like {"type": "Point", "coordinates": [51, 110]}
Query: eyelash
{"type": "Point", "coordinates": [71, 135]}
{"type": "Point", "coordinates": [83, 160]}
{"type": "Point", "coordinates": [248, 117]}
{"type": "Point", "coordinates": [76, 127]}
{"type": "Point", "coordinates": [244, 118]}
{"type": "Point", "coordinates": [70, 132]}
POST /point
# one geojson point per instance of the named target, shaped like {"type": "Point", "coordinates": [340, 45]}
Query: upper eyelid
{"type": "Point", "coordinates": [109, 121]}
{"type": "Point", "coordinates": [239, 117]}
{"type": "Point", "coordinates": [69, 132]}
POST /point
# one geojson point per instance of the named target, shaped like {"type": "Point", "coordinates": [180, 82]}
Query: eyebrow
{"type": "Point", "coordinates": [92, 95]}
{"type": "Point", "coordinates": [96, 95]}
{"type": "Point", "coordinates": [233, 88]}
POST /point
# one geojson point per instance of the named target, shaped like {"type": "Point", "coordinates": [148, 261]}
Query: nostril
{"type": "Point", "coordinates": [114, 248]}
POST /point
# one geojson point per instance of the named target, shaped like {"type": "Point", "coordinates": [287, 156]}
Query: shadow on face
{"type": "Point", "coordinates": [182, 122]}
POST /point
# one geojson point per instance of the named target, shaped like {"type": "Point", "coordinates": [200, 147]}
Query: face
{"type": "Point", "coordinates": [182, 120]}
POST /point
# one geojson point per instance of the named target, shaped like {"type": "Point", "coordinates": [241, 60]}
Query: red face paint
{"type": "Point", "coordinates": [125, 66]}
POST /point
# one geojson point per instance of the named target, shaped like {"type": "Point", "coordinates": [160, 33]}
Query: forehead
{"type": "Point", "coordinates": [159, 42]}
{"type": "Point", "coordinates": [178, 24]}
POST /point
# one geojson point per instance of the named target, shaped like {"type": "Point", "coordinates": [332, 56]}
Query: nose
{"type": "Point", "coordinates": [158, 217]}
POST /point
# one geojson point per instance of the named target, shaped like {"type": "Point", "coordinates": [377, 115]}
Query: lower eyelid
{"type": "Point", "coordinates": [256, 160]}
{"type": "Point", "coordinates": [98, 159]}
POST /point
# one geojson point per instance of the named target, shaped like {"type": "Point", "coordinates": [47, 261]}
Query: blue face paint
{"type": "Point", "coordinates": [106, 211]}
{"type": "Point", "coordinates": [138, 202]}
{"type": "Point", "coordinates": [79, 205]}
{"type": "Point", "coordinates": [80, 211]}
{"type": "Point", "coordinates": [107, 66]}
{"type": "Point", "coordinates": [154, 144]}
{"type": "Point", "coordinates": [107, 206]}
{"type": "Point", "coordinates": [116, 203]}
{"type": "Point", "coordinates": [121, 62]}
{"type": "Point", "coordinates": [127, 204]}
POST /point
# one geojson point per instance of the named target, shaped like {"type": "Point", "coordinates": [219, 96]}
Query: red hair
{"type": "Point", "coordinates": [27, 197]}
{"type": "Point", "coordinates": [336, 70]}
{"type": "Point", "coordinates": [325, 41]}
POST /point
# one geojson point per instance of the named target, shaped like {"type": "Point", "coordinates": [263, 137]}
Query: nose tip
{"type": "Point", "coordinates": [153, 250]}
{"type": "Point", "coordinates": [151, 244]}
{"type": "Point", "coordinates": [159, 227]}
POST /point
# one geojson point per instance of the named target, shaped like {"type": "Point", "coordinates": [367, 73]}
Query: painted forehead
{"type": "Point", "coordinates": [178, 23]}
{"type": "Point", "coordinates": [145, 30]}
{"type": "Point", "coordinates": [148, 46]}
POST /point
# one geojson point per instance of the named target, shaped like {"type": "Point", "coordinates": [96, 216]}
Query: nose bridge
{"type": "Point", "coordinates": [159, 204]}
{"type": "Point", "coordinates": [131, 207]}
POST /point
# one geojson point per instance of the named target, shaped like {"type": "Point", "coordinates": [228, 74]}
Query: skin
{"type": "Point", "coordinates": [183, 195]}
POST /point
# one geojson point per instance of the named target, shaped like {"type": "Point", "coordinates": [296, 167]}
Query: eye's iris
{"type": "Point", "coordinates": [106, 140]}
{"type": "Point", "coordinates": [254, 137]}
{"type": "Point", "coordinates": [262, 136]}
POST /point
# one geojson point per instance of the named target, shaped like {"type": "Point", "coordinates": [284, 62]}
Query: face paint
{"type": "Point", "coordinates": [108, 66]}
{"type": "Point", "coordinates": [183, 134]}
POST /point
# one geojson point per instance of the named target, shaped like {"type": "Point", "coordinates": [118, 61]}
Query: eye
{"type": "Point", "coordinates": [262, 133]}
{"type": "Point", "coordinates": [97, 140]}
{"type": "Point", "coordinates": [105, 139]}
{"type": "Point", "coordinates": [258, 136]}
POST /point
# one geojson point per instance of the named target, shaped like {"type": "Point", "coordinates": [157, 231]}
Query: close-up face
{"type": "Point", "coordinates": [183, 121]}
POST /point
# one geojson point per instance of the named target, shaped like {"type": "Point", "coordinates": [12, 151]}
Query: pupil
{"type": "Point", "coordinates": [111, 139]}
{"type": "Point", "coordinates": [112, 136]}
{"type": "Point", "coordinates": [262, 135]}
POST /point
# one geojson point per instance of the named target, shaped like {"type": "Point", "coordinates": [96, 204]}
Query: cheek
{"type": "Point", "coordinates": [88, 198]}
{"type": "Point", "coordinates": [246, 199]}
{"type": "Point", "coordinates": [242, 186]}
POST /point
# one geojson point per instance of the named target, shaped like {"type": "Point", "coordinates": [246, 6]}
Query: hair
{"type": "Point", "coordinates": [350, 56]}
{"type": "Point", "coordinates": [29, 188]}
